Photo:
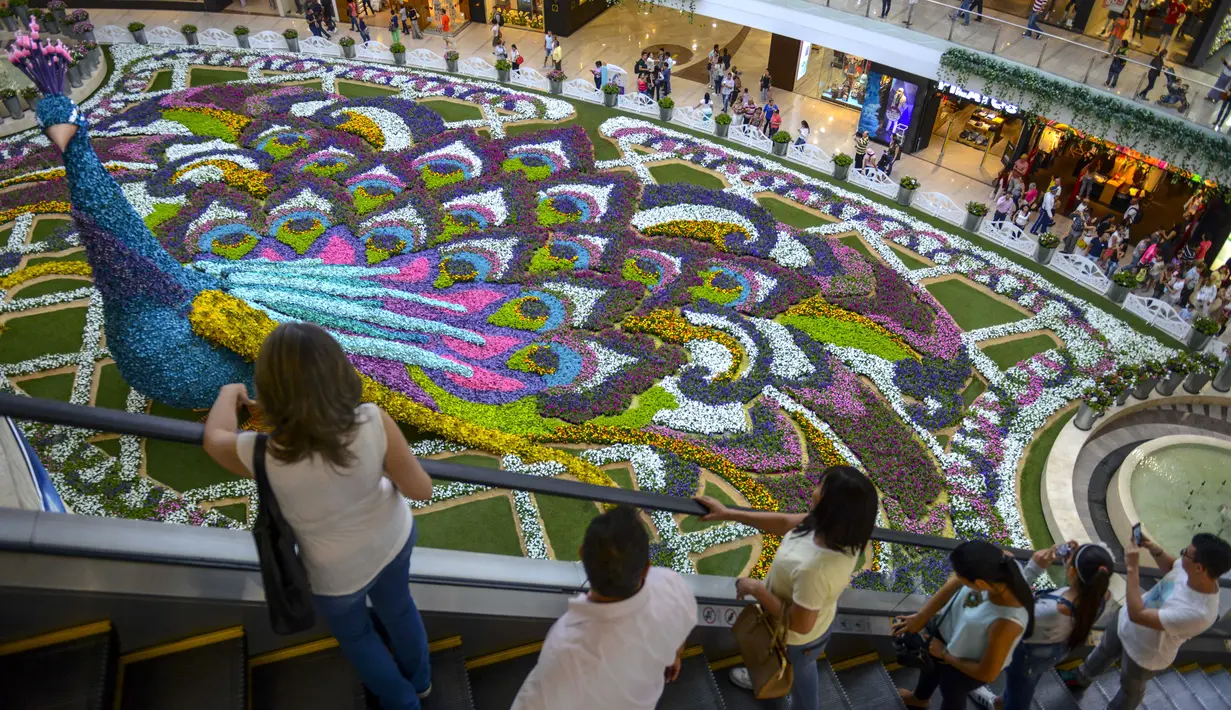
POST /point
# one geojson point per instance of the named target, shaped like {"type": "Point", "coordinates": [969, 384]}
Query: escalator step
{"type": "Point", "coordinates": [1176, 689]}
{"type": "Point", "coordinates": [324, 679]}
{"type": "Point", "coordinates": [908, 677]}
{"type": "Point", "coordinates": [1156, 698]}
{"type": "Point", "coordinates": [1050, 694]}
{"type": "Point", "coordinates": [209, 677]}
{"type": "Point", "coordinates": [71, 675]}
{"type": "Point", "coordinates": [695, 689]}
{"type": "Point", "coordinates": [450, 682]}
{"type": "Point", "coordinates": [733, 696]}
{"type": "Point", "coordinates": [1205, 691]}
{"type": "Point", "coordinates": [831, 692]}
{"type": "Point", "coordinates": [1222, 681]}
{"type": "Point", "coordinates": [495, 686]}
{"type": "Point", "coordinates": [869, 687]}
{"type": "Point", "coordinates": [1100, 692]}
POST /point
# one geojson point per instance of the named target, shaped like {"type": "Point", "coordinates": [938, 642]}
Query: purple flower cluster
{"type": "Point", "coordinates": [676, 194]}
{"type": "Point", "coordinates": [615, 395]}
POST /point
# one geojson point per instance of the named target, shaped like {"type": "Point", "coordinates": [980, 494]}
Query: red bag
{"type": "Point", "coordinates": [520, 59]}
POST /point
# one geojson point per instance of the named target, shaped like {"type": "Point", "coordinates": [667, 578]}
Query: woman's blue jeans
{"type": "Point", "coordinates": [1030, 662]}
{"type": "Point", "coordinates": [805, 692]}
{"type": "Point", "coordinates": [396, 675]}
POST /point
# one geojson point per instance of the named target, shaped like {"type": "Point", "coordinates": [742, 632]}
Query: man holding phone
{"type": "Point", "coordinates": [1151, 627]}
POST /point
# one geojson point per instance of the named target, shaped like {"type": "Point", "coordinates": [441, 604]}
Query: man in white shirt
{"type": "Point", "coordinates": [616, 645]}
{"type": "Point", "coordinates": [1152, 627]}
{"type": "Point", "coordinates": [1047, 211]}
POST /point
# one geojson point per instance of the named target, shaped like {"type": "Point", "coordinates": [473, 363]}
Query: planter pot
{"type": "Point", "coordinates": [1145, 387]}
{"type": "Point", "coordinates": [34, 104]}
{"type": "Point", "coordinates": [780, 148]}
{"type": "Point", "coordinates": [1118, 293]}
{"type": "Point", "coordinates": [74, 76]}
{"type": "Point", "coordinates": [1085, 417]}
{"type": "Point", "coordinates": [840, 172]}
{"type": "Point", "coordinates": [1196, 381]}
{"type": "Point", "coordinates": [400, 58]}
{"type": "Point", "coordinates": [243, 43]}
{"type": "Point", "coordinates": [139, 35]}
{"type": "Point", "coordinates": [1167, 385]}
{"type": "Point", "coordinates": [557, 87]}
{"type": "Point", "coordinates": [88, 36]}
{"type": "Point", "coordinates": [96, 57]}
{"type": "Point", "coordinates": [973, 221]}
{"type": "Point", "coordinates": [502, 75]}
{"type": "Point", "coordinates": [13, 105]}
{"type": "Point", "coordinates": [664, 114]}
{"type": "Point", "coordinates": [191, 37]}
{"type": "Point", "coordinates": [50, 26]}
{"type": "Point", "coordinates": [1044, 254]}
{"type": "Point", "coordinates": [1198, 340]}
{"type": "Point", "coordinates": [1122, 398]}
{"type": "Point", "coordinates": [293, 44]}
{"type": "Point", "coordinates": [1222, 381]}
{"type": "Point", "coordinates": [722, 129]}
{"type": "Point", "coordinates": [23, 15]}
{"type": "Point", "coordinates": [10, 23]}
{"type": "Point", "coordinates": [610, 100]}
{"type": "Point", "coordinates": [905, 196]}
{"type": "Point", "coordinates": [59, 15]}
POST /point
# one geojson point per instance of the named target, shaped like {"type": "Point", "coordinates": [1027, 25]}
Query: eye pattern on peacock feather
{"type": "Point", "coordinates": [373, 187]}
{"type": "Point", "coordinates": [448, 159]}
{"type": "Point", "coordinates": [585, 199]}
{"type": "Point", "coordinates": [471, 207]}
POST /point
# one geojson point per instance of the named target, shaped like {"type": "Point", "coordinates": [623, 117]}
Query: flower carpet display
{"type": "Point", "coordinates": [504, 294]}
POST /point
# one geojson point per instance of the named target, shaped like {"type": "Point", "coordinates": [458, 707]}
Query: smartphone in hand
{"type": "Point", "coordinates": [1137, 536]}
{"type": "Point", "coordinates": [1063, 551]}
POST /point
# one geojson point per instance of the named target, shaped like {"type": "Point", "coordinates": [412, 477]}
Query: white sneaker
{"type": "Point", "coordinates": [740, 678]}
{"type": "Point", "coordinates": [984, 697]}
{"type": "Point", "coordinates": [426, 693]}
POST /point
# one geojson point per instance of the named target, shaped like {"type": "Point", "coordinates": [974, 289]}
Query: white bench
{"type": "Point", "coordinates": [940, 205]}
{"type": "Point", "coordinates": [374, 51]}
{"type": "Point", "coordinates": [638, 103]}
{"type": "Point", "coordinates": [267, 40]}
{"type": "Point", "coordinates": [693, 117]}
{"type": "Point", "coordinates": [426, 58]}
{"type": "Point", "coordinates": [584, 90]}
{"type": "Point", "coordinates": [875, 180]}
{"type": "Point", "coordinates": [214, 37]}
{"type": "Point", "coordinates": [811, 156]}
{"type": "Point", "coordinates": [477, 67]}
{"type": "Point", "coordinates": [1160, 314]}
{"type": "Point", "coordinates": [164, 35]}
{"type": "Point", "coordinates": [1082, 270]}
{"type": "Point", "coordinates": [1009, 236]}
{"type": "Point", "coordinates": [751, 137]}
{"type": "Point", "coordinates": [530, 77]}
{"type": "Point", "coordinates": [112, 34]}
{"type": "Point", "coordinates": [320, 46]}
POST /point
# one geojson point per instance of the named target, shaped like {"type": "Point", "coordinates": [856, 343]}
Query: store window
{"type": "Point", "coordinates": [968, 118]}
{"type": "Point", "coordinates": [518, 13]}
{"type": "Point", "coordinates": [845, 79]}
{"type": "Point", "coordinates": [898, 108]}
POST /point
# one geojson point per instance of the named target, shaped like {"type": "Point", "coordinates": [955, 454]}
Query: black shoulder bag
{"type": "Point", "coordinates": [912, 649]}
{"type": "Point", "coordinates": [287, 591]}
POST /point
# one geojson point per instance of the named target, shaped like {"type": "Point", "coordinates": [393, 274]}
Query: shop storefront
{"type": "Point", "coordinates": [562, 17]}
{"type": "Point", "coordinates": [973, 120]}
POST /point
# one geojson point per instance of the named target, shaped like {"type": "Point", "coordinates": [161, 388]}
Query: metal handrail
{"type": "Point", "coordinates": [192, 433]}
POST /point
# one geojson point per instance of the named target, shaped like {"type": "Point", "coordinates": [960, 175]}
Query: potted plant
{"type": "Point", "coordinates": [780, 141]}
{"type": "Point", "coordinates": [22, 8]}
{"type": "Point", "coordinates": [842, 165]}
{"type": "Point", "coordinates": [9, 18]}
{"type": "Point", "coordinates": [611, 95]}
{"type": "Point", "coordinates": [975, 212]}
{"type": "Point", "coordinates": [451, 58]}
{"type": "Point", "coordinates": [399, 53]}
{"type": "Point", "coordinates": [1094, 402]}
{"type": "Point", "coordinates": [1047, 247]}
{"type": "Point", "coordinates": [190, 33]}
{"type": "Point", "coordinates": [1148, 375]}
{"type": "Point", "coordinates": [1121, 284]}
{"type": "Point", "coordinates": [46, 21]}
{"type": "Point", "coordinates": [906, 190]}
{"type": "Point", "coordinates": [503, 67]}
{"type": "Point", "coordinates": [9, 96]}
{"type": "Point", "coordinates": [722, 125]}
{"type": "Point", "coordinates": [666, 107]}
{"type": "Point", "coordinates": [84, 30]}
{"type": "Point", "coordinates": [557, 78]}
{"type": "Point", "coordinates": [1176, 369]}
{"type": "Point", "coordinates": [1205, 366]}
{"type": "Point", "coordinates": [74, 72]}
{"type": "Point", "coordinates": [138, 31]}
{"type": "Point", "coordinates": [57, 8]}
{"type": "Point", "coordinates": [292, 40]}
{"type": "Point", "coordinates": [1222, 381]}
{"type": "Point", "coordinates": [241, 36]}
{"type": "Point", "coordinates": [32, 97]}
{"type": "Point", "coordinates": [1118, 383]}
{"type": "Point", "coordinates": [1203, 329]}
{"type": "Point", "coordinates": [348, 47]}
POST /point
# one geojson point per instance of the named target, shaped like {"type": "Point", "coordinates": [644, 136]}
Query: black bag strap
{"type": "Point", "coordinates": [263, 489]}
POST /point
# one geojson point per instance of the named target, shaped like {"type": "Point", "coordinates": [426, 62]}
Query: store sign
{"type": "Point", "coordinates": [976, 97]}
{"type": "Point", "coordinates": [805, 51]}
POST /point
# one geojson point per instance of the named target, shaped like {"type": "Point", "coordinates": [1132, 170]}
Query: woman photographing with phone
{"type": "Point", "coordinates": [984, 609]}
{"type": "Point", "coordinates": [1062, 619]}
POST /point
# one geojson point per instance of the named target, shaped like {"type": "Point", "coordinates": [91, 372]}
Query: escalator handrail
{"type": "Point", "coordinates": [178, 431]}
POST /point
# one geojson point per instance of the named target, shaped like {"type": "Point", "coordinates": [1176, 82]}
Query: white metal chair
{"type": "Point", "coordinates": [165, 35]}
{"type": "Point", "coordinates": [530, 77]}
{"type": "Point", "coordinates": [112, 34]}
{"type": "Point", "coordinates": [320, 46]}
{"type": "Point", "coordinates": [425, 58]}
{"type": "Point", "coordinates": [638, 103]}
{"type": "Point", "coordinates": [374, 51]}
{"type": "Point", "coordinates": [267, 40]}
{"type": "Point", "coordinates": [584, 90]}
{"type": "Point", "coordinates": [214, 37]}
{"type": "Point", "coordinates": [1159, 314]}
{"type": "Point", "coordinates": [477, 67]}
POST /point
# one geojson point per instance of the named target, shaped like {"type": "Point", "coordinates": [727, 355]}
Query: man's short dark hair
{"type": "Point", "coordinates": [615, 552]}
{"type": "Point", "coordinates": [1213, 553]}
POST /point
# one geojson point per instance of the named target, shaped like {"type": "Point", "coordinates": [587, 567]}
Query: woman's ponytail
{"type": "Point", "coordinates": [976, 560]}
{"type": "Point", "coordinates": [1093, 564]}
{"type": "Point", "coordinates": [1021, 591]}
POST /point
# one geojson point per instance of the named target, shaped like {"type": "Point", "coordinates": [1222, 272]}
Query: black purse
{"type": "Point", "coordinates": [912, 649]}
{"type": "Point", "coordinates": [287, 591]}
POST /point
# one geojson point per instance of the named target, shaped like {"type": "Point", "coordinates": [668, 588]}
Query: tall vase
{"type": "Point", "coordinates": [1167, 385]}
{"type": "Point", "coordinates": [1085, 417]}
{"type": "Point", "coordinates": [1144, 387]}
{"type": "Point", "coordinates": [1222, 381]}
{"type": "Point", "coordinates": [1196, 381]}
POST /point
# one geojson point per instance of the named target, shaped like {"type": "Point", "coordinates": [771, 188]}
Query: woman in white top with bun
{"type": "Point", "coordinates": [341, 471]}
{"type": "Point", "coordinates": [812, 567]}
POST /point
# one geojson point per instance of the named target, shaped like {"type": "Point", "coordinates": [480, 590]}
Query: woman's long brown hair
{"type": "Point", "coordinates": [308, 392]}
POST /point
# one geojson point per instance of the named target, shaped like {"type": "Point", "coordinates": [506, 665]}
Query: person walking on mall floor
{"type": "Point", "coordinates": [1047, 211]}
{"type": "Point", "coordinates": [804, 130]}
{"type": "Point", "coordinates": [353, 12]}
{"type": "Point", "coordinates": [1076, 228]}
{"type": "Point", "coordinates": [890, 157]}
{"type": "Point", "coordinates": [812, 567]}
{"type": "Point", "coordinates": [366, 6]}
{"type": "Point", "coordinates": [1224, 110]}
{"type": "Point", "coordinates": [616, 645]}
{"type": "Point", "coordinates": [1140, 15]}
{"type": "Point", "coordinates": [716, 77]}
{"type": "Point", "coordinates": [861, 148]}
{"type": "Point", "coordinates": [728, 88]}
{"type": "Point", "coordinates": [549, 44]}
{"type": "Point", "coordinates": [1118, 28]}
{"type": "Point", "coordinates": [765, 82]}
{"type": "Point", "coordinates": [1118, 61]}
{"type": "Point", "coordinates": [394, 29]}
{"type": "Point", "coordinates": [1063, 619]}
{"type": "Point", "coordinates": [341, 471]}
{"type": "Point", "coordinates": [1171, 20]}
{"type": "Point", "coordinates": [885, 7]}
{"type": "Point", "coordinates": [986, 608]}
{"type": "Point", "coordinates": [412, 16]}
{"type": "Point", "coordinates": [363, 31]}
{"type": "Point", "coordinates": [1156, 68]}
{"type": "Point", "coordinates": [1032, 25]}
{"type": "Point", "coordinates": [1224, 77]}
{"type": "Point", "coordinates": [1004, 204]}
{"type": "Point", "coordinates": [1151, 627]}
{"type": "Point", "coordinates": [557, 55]}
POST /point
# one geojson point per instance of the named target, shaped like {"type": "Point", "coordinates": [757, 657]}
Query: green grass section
{"type": "Point", "coordinates": [162, 212]}
{"type": "Point", "coordinates": [75, 256]}
{"type": "Point", "coordinates": [52, 332]}
{"type": "Point", "coordinates": [588, 117]}
{"type": "Point", "coordinates": [838, 332]}
{"type": "Point", "coordinates": [692, 523]}
{"type": "Point", "coordinates": [474, 460]}
{"type": "Point", "coordinates": [1012, 352]}
{"type": "Point", "coordinates": [912, 262]}
{"type": "Point", "coordinates": [726, 564]}
{"type": "Point", "coordinates": [162, 81]}
{"type": "Point", "coordinates": [973, 390]}
{"type": "Point", "coordinates": [111, 446]}
{"type": "Point", "coordinates": [482, 526]}
{"type": "Point", "coordinates": [623, 477]}
{"type": "Point", "coordinates": [44, 228]}
{"type": "Point", "coordinates": [112, 389]}
{"type": "Point", "coordinates": [205, 77]}
{"type": "Point", "coordinates": [859, 245]}
{"type": "Point", "coordinates": [1031, 482]}
{"type": "Point", "coordinates": [642, 410]}
{"type": "Point", "coordinates": [52, 286]}
{"type": "Point", "coordinates": [450, 111]}
{"type": "Point", "coordinates": [944, 440]}
{"type": "Point", "coordinates": [234, 511]}
{"type": "Point", "coordinates": [789, 214]}
{"type": "Point", "coordinates": [181, 466]}
{"type": "Point", "coordinates": [666, 174]}
{"type": "Point", "coordinates": [356, 90]}
{"type": "Point", "coordinates": [971, 308]}
{"type": "Point", "coordinates": [50, 387]}
{"type": "Point", "coordinates": [565, 521]}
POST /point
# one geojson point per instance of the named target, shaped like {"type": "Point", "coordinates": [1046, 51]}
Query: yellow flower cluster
{"type": "Point", "coordinates": [751, 489]}
{"type": "Point", "coordinates": [816, 307]}
{"type": "Point", "coordinates": [39, 176]}
{"type": "Point", "coordinates": [252, 182]}
{"type": "Point", "coordinates": [365, 128]}
{"type": "Point", "coordinates": [47, 268]}
{"type": "Point", "coordinates": [231, 323]}
{"type": "Point", "coordinates": [712, 232]}
{"type": "Point", "coordinates": [671, 327]}
{"type": "Point", "coordinates": [43, 207]}
{"type": "Point", "coordinates": [819, 445]}
{"type": "Point", "coordinates": [235, 122]}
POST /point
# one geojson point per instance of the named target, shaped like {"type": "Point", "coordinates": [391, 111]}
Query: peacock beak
{"type": "Point", "coordinates": [61, 134]}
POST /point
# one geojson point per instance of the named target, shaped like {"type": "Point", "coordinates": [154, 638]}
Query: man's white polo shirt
{"type": "Point", "coordinates": [612, 656]}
